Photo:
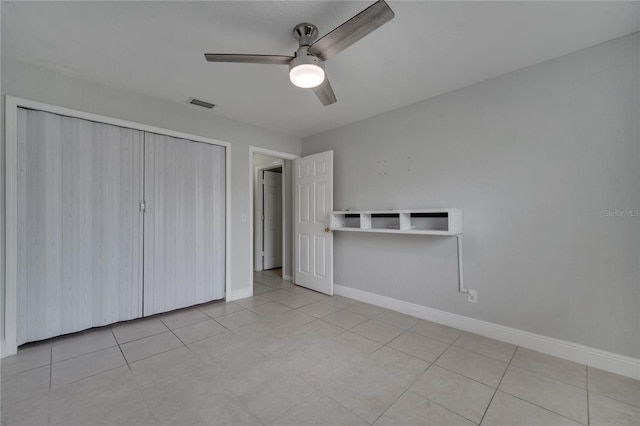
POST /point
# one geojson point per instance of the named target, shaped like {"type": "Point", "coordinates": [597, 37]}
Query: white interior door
{"type": "Point", "coordinates": [184, 227]}
{"type": "Point", "coordinates": [272, 224]}
{"type": "Point", "coordinates": [79, 225]}
{"type": "Point", "coordinates": [313, 241]}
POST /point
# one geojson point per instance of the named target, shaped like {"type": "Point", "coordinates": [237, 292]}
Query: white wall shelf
{"type": "Point", "coordinates": [445, 222]}
{"type": "Point", "coordinates": [420, 221]}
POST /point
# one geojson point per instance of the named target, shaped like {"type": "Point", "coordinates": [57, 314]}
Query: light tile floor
{"type": "Point", "coordinates": [290, 356]}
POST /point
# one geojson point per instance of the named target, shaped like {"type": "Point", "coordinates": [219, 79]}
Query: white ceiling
{"type": "Point", "coordinates": [156, 48]}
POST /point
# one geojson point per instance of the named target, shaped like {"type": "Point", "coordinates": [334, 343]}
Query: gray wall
{"type": "Point", "coordinates": [43, 85]}
{"type": "Point", "coordinates": [534, 157]}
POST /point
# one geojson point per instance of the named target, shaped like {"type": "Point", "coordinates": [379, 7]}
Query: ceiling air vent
{"type": "Point", "coordinates": [200, 103]}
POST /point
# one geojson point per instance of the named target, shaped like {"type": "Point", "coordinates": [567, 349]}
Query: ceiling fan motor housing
{"type": "Point", "coordinates": [304, 57]}
{"type": "Point", "coordinates": [305, 33]}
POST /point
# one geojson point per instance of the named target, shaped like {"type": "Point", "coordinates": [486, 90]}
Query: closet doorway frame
{"type": "Point", "coordinates": [8, 297]}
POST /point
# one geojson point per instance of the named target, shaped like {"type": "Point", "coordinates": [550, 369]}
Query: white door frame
{"type": "Point", "coordinates": [10, 303]}
{"type": "Point", "coordinates": [252, 170]}
{"type": "Point", "coordinates": [259, 232]}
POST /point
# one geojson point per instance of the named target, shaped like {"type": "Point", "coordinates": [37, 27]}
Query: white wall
{"type": "Point", "coordinates": [535, 158]}
{"type": "Point", "coordinates": [39, 84]}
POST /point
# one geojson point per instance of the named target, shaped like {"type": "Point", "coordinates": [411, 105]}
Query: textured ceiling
{"type": "Point", "coordinates": [156, 48]}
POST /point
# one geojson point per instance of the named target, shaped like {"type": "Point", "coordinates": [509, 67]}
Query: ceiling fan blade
{"type": "Point", "coordinates": [353, 30]}
{"type": "Point", "coordinates": [248, 59]}
{"type": "Point", "coordinates": [324, 92]}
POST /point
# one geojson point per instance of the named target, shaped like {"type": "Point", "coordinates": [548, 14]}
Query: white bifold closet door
{"type": "Point", "coordinates": [184, 242]}
{"type": "Point", "coordinates": [79, 226]}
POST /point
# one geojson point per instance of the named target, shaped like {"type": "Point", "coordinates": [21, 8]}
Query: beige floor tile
{"type": "Point", "coordinates": [345, 318]}
{"type": "Point", "coordinates": [31, 411]}
{"type": "Point", "coordinates": [554, 395]}
{"type": "Point", "coordinates": [547, 365]}
{"type": "Point", "coordinates": [259, 288]}
{"type": "Point", "coordinates": [298, 340]}
{"type": "Point", "coordinates": [165, 367]}
{"type": "Point", "coordinates": [258, 332]}
{"type": "Point", "coordinates": [411, 410]}
{"type": "Point", "coordinates": [373, 384]}
{"type": "Point", "coordinates": [484, 346]}
{"type": "Point", "coordinates": [365, 309]}
{"type": "Point", "coordinates": [316, 296]}
{"type": "Point", "coordinates": [472, 365]}
{"type": "Point", "coordinates": [137, 329]}
{"type": "Point", "coordinates": [605, 411]}
{"type": "Point", "coordinates": [289, 320]}
{"type": "Point", "coordinates": [436, 331]}
{"type": "Point", "coordinates": [454, 392]}
{"type": "Point", "coordinates": [318, 410]}
{"type": "Point", "coordinates": [149, 346]}
{"type": "Point", "coordinates": [28, 357]}
{"type": "Point", "coordinates": [269, 279]}
{"type": "Point", "coordinates": [316, 366]}
{"type": "Point", "coordinates": [222, 344]}
{"type": "Point", "coordinates": [614, 386]}
{"type": "Point", "coordinates": [238, 319]}
{"type": "Point", "coordinates": [419, 346]}
{"type": "Point", "coordinates": [277, 294]}
{"type": "Point", "coordinates": [506, 410]}
{"type": "Point", "coordinates": [269, 309]}
{"type": "Point", "coordinates": [84, 366]}
{"type": "Point", "coordinates": [199, 331]}
{"type": "Point", "coordinates": [217, 309]}
{"type": "Point", "coordinates": [364, 394]}
{"type": "Point", "coordinates": [196, 400]}
{"type": "Point", "coordinates": [25, 385]}
{"type": "Point", "coordinates": [110, 398]}
{"type": "Point", "coordinates": [395, 366]}
{"type": "Point", "coordinates": [182, 317]}
{"type": "Point", "coordinates": [275, 394]}
{"type": "Point", "coordinates": [397, 319]}
{"type": "Point", "coordinates": [250, 302]}
{"type": "Point", "coordinates": [82, 343]}
{"type": "Point", "coordinates": [338, 300]}
{"type": "Point", "coordinates": [296, 301]}
{"type": "Point", "coordinates": [378, 331]}
{"type": "Point", "coordinates": [349, 346]}
{"type": "Point", "coordinates": [321, 308]}
{"type": "Point", "coordinates": [273, 362]}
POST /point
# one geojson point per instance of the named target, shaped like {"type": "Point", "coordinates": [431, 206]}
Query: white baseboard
{"type": "Point", "coordinates": [239, 294]}
{"type": "Point", "coordinates": [597, 358]}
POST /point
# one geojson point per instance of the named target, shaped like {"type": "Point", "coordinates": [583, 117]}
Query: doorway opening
{"type": "Point", "coordinates": [272, 213]}
{"type": "Point", "coordinates": [269, 219]}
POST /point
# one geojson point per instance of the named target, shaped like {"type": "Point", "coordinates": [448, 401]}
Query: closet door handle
{"type": "Point", "coordinates": [327, 229]}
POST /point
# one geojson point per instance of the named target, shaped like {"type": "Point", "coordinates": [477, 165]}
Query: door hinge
{"type": "Point", "coordinates": [143, 206]}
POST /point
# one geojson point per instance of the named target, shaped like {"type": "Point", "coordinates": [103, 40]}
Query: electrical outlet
{"type": "Point", "coordinates": [472, 296]}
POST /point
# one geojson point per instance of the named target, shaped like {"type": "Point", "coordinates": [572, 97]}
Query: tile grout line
{"type": "Point", "coordinates": [417, 378]}
{"type": "Point", "coordinates": [588, 403]}
{"type": "Point", "coordinates": [146, 404]}
{"type": "Point", "coordinates": [499, 383]}
{"type": "Point", "coordinates": [50, 385]}
{"type": "Point", "coordinates": [120, 348]}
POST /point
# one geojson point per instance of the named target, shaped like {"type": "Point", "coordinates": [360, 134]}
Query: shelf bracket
{"type": "Point", "coordinates": [461, 288]}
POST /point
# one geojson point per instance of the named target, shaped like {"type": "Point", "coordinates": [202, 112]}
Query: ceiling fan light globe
{"type": "Point", "coordinates": [306, 75]}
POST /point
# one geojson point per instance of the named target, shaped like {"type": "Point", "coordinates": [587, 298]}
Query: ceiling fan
{"type": "Point", "coordinates": [306, 68]}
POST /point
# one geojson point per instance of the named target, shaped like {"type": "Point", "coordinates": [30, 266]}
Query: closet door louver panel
{"type": "Point", "coordinates": [184, 223]}
{"type": "Point", "coordinates": [79, 225]}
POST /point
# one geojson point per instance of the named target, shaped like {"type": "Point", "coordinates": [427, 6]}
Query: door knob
{"type": "Point", "coordinates": [327, 229]}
